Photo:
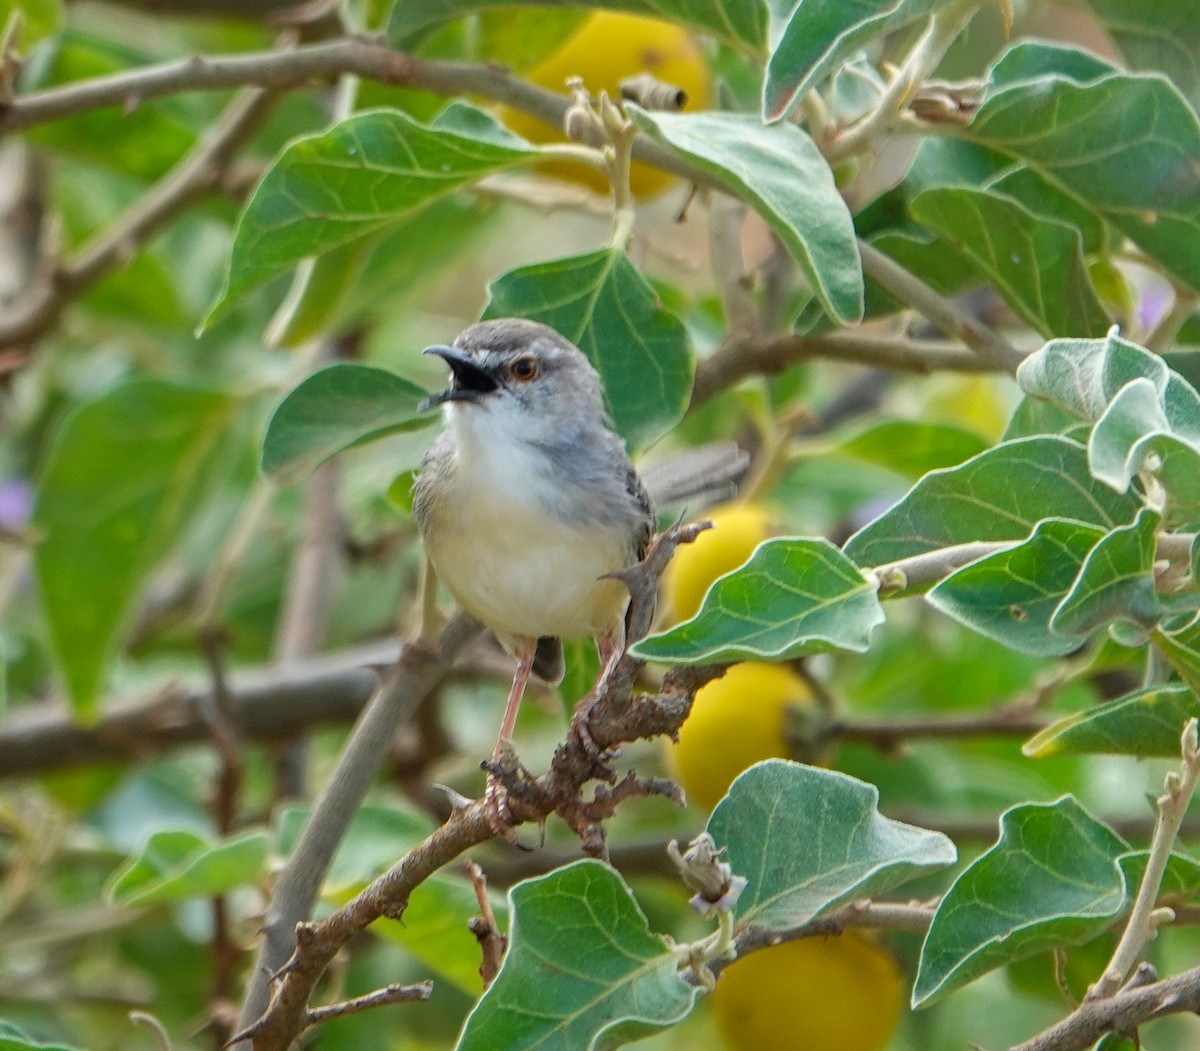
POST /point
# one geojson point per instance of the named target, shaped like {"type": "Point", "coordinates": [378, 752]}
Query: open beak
{"type": "Point", "coordinates": [470, 382]}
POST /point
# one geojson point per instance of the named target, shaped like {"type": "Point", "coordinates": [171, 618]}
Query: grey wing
{"type": "Point", "coordinates": [645, 508]}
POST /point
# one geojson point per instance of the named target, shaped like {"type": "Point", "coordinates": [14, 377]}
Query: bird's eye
{"type": "Point", "coordinates": [524, 369]}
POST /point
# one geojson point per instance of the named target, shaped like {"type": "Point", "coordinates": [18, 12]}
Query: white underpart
{"type": "Point", "coordinates": [504, 555]}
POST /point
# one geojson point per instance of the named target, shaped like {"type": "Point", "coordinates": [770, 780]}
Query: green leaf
{"type": "Point", "coordinates": [1036, 59]}
{"type": "Point", "coordinates": [602, 303]}
{"type": "Point", "coordinates": [1145, 723]}
{"type": "Point", "coordinates": [434, 930]}
{"type": "Point", "coordinates": [1034, 416]}
{"type": "Point", "coordinates": [177, 864]}
{"type": "Point", "coordinates": [794, 596]}
{"type": "Point", "coordinates": [808, 840]}
{"type": "Point", "coordinates": [912, 447]}
{"type": "Point", "coordinates": [1051, 880]}
{"type": "Point", "coordinates": [376, 839]}
{"type": "Point", "coordinates": [1182, 876]}
{"type": "Point", "coordinates": [520, 38]}
{"type": "Point", "coordinates": [1135, 428]}
{"type": "Point", "coordinates": [355, 179]}
{"type": "Point", "coordinates": [812, 38]}
{"type": "Point", "coordinates": [742, 24]}
{"type": "Point", "coordinates": [1116, 581]}
{"type": "Point", "coordinates": [1182, 649]}
{"type": "Point", "coordinates": [1156, 35]}
{"type": "Point", "coordinates": [782, 175]}
{"type": "Point", "coordinates": [1125, 145]}
{"type": "Point", "coordinates": [341, 406]}
{"type": "Point", "coordinates": [1011, 596]}
{"type": "Point", "coordinates": [582, 969]}
{"type": "Point", "coordinates": [119, 484]}
{"type": "Point", "coordinates": [1035, 262]}
{"type": "Point", "coordinates": [1045, 199]}
{"type": "Point", "coordinates": [999, 495]}
{"type": "Point", "coordinates": [13, 1039]}
{"type": "Point", "coordinates": [1084, 375]}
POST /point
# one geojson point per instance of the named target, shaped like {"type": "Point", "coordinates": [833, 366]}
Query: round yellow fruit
{"type": "Point", "coordinates": [814, 994]}
{"type": "Point", "coordinates": [735, 721]}
{"type": "Point", "coordinates": [737, 530]}
{"type": "Point", "coordinates": [606, 49]}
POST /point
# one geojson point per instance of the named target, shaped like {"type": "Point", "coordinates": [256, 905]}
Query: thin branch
{"type": "Point", "coordinates": [197, 174]}
{"type": "Point", "coordinates": [943, 29]}
{"type": "Point", "coordinates": [939, 310]}
{"type": "Point", "coordinates": [614, 717]}
{"type": "Point", "coordinates": [390, 994]}
{"type": "Point", "coordinates": [414, 675]}
{"type": "Point", "coordinates": [1144, 917]}
{"type": "Point", "coordinates": [1009, 721]}
{"type": "Point", "coordinates": [863, 915]}
{"type": "Point", "coordinates": [1122, 1013]}
{"type": "Point", "coordinates": [746, 355]}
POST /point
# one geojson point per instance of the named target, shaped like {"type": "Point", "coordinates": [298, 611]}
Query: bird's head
{"type": "Point", "coordinates": [518, 376]}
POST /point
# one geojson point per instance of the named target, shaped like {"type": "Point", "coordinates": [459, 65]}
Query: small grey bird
{"type": "Point", "coordinates": [527, 502]}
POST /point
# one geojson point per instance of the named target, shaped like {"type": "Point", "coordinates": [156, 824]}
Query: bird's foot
{"type": "Point", "coordinates": [581, 734]}
{"type": "Point", "coordinates": [504, 766]}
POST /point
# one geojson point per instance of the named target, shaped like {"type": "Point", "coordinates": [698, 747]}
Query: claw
{"type": "Point", "coordinates": [495, 809]}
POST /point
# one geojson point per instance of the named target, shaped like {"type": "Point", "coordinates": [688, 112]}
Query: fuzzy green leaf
{"type": "Point", "coordinates": [999, 495]}
{"type": "Point", "coordinates": [1125, 145]}
{"type": "Point", "coordinates": [178, 864]}
{"type": "Point", "coordinates": [1035, 262]}
{"type": "Point", "coordinates": [1052, 879]}
{"type": "Point", "coordinates": [1011, 596]}
{"type": "Point", "coordinates": [782, 175]}
{"type": "Point", "coordinates": [582, 969]}
{"type": "Point", "coordinates": [808, 840]}
{"type": "Point", "coordinates": [809, 40]}
{"type": "Point", "coordinates": [794, 596]}
{"type": "Point", "coordinates": [1144, 723]}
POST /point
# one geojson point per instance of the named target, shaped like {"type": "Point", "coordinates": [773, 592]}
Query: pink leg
{"type": "Point", "coordinates": [611, 647]}
{"type": "Point", "coordinates": [495, 798]}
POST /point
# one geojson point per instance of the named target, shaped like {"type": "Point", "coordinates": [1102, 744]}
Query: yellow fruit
{"type": "Point", "coordinates": [607, 48]}
{"type": "Point", "coordinates": [737, 530]}
{"type": "Point", "coordinates": [735, 721]}
{"type": "Point", "coordinates": [834, 994]}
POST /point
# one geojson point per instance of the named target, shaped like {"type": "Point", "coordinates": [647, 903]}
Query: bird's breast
{"type": "Point", "coordinates": [516, 559]}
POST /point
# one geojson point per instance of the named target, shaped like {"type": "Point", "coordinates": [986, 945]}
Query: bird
{"type": "Point", "coordinates": [527, 503]}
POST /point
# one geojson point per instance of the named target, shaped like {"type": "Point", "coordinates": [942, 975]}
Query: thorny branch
{"type": "Point", "coordinates": [367, 56]}
{"type": "Point", "coordinates": [617, 717]}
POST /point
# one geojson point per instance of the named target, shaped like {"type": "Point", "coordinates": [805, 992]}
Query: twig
{"type": "Point", "coordinates": [1163, 334]}
{"type": "Point", "coordinates": [1121, 1013]}
{"type": "Point", "coordinates": [492, 942]}
{"type": "Point", "coordinates": [746, 355]}
{"type": "Point", "coordinates": [224, 947]}
{"type": "Point", "coordinates": [939, 310]}
{"type": "Point", "coordinates": [726, 217]}
{"type": "Point", "coordinates": [144, 1018]}
{"type": "Point", "coordinates": [390, 994]}
{"type": "Point", "coordinates": [411, 679]}
{"type": "Point", "coordinates": [1144, 918]}
{"type": "Point", "coordinates": [197, 174]}
{"type": "Point", "coordinates": [864, 915]}
{"type": "Point", "coordinates": [944, 27]}
{"type": "Point", "coordinates": [616, 716]}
